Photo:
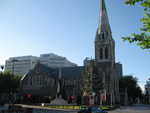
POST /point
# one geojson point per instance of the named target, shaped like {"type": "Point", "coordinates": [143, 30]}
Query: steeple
{"type": "Point", "coordinates": [104, 21]}
{"type": "Point", "coordinates": [104, 43]}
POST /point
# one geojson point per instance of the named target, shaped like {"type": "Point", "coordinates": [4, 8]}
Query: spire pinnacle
{"type": "Point", "coordinates": [104, 21]}
{"type": "Point", "coordinates": [103, 7]}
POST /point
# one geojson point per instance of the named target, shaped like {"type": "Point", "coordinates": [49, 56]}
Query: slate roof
{"type": "Point", "coordinates": [42, 69]}
{"type": "Point", "coordinates": [72, 72]}
{"type": "Point", "coordinates": [67, 72]}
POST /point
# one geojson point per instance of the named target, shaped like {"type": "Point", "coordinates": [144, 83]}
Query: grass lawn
{"type": "Point", "coordinates": [71, 107]}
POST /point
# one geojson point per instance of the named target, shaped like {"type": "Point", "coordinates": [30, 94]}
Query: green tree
{"type": "Point", "coordinates": [98, 84]}
{"type": "Point", "coordinates": [92, 81]}
{"type": "Point", "coordinates": [133, 89]}
{"type": "Point", "coordinates": [142, 39]}
{"type": "Point", "coordinates": [9, 83]}
{"type": "Point", "coordinates": [87, 79]}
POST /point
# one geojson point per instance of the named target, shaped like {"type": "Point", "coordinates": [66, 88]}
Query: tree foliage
{"type": "Point", "coordinates": [142, 39]}
{"type": "Point", "coordinates": [87, 82]}
{"type": "Point", "coordinates": [93, 83]}
{"type": "Point", "coordinates": [133, 90]}
{"type": "Point", "coordinates": [9, 83]}
{"type": "Point", "coordinates": [98, 84]}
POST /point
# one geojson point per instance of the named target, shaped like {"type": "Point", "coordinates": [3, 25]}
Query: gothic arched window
{"type": "Point", "coordinates": [106, 53]}
{"type": "Point", "coordinates": [103, 36]}
{"type": "Point", "coordinates": [101, 53]}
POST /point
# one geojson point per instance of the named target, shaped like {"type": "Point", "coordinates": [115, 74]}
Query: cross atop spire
{"type": "Point", "coordinates": [104, 21]}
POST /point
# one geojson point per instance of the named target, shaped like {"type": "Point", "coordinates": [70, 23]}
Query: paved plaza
{"type": "Point", "coordinates": [129, 109]}
{"type": "Point", "coordinates": [133, 109]}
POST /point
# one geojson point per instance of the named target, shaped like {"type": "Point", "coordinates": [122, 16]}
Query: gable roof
{"type": "Point", "coordinates": [72, 72]}
{"type": "Point", "coordinates": [43, 70]}
{"type": "Point", "coordinates": [67, 72]}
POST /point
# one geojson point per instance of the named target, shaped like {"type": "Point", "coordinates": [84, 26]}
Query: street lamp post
{"type": "Point", "coordinates": [2, 67]}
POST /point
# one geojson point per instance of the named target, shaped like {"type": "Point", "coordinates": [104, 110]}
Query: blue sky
{"type": "Point", "coordinates": [68, 28]}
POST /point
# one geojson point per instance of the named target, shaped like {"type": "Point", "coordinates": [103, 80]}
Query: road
{"type": "Point", "coordinates": [129, 109]}
{"type": "Point", "coordinates": [133, 109]}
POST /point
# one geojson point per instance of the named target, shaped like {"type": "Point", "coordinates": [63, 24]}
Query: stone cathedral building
{"type": "Point", "coordinates": [104, 71]}
{"type": "Point", "coordinates": [105, 57]}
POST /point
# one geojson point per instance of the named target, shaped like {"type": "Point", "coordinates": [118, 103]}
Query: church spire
{"type": "Point", "coordinates": [104, 43]}
{"type": "Point", "coordinates": [104, 21]}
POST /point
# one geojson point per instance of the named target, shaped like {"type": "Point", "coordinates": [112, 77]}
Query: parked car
{"type": "Point", "coordinates": [93, 109]}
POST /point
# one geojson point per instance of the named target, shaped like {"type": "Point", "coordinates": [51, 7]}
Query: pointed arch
{"type": "Point", "coordinates": [101, 53]}
{"type": "Point", "coordinates": [106, 53]}
{"type": "Point", "coordinates": [103, 36]}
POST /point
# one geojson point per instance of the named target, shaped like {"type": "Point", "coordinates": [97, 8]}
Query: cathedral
{"type": "Point", "coordinates": [103, 70]}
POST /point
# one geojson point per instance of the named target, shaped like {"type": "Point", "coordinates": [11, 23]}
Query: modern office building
{"type": "Point", "coordinates": [20, 65]}
{"type": "Point", "coordinates": [23, 64]}
{"type": "Point", "coordinates": [53, 60]}
{"type": "Point", "coordinates": [119, 70]}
